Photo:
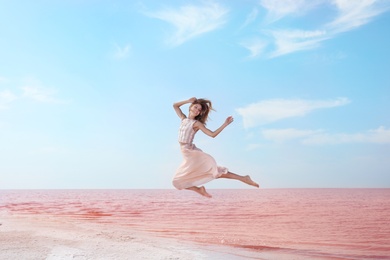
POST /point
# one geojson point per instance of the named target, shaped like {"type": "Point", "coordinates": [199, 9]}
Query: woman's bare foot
{"type": "Point", "coordinates": [201, 190]}
{"type": "Point", "coordinates": [247, 179]}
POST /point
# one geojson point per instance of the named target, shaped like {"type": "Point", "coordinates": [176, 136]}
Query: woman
{"type": "Point", "coordinates": [198, 167]}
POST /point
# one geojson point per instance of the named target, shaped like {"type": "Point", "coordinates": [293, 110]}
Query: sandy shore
{"type": "Point", "coordinates": [52, 238]}
{"type": "Point", "coordinates": [37, 237]}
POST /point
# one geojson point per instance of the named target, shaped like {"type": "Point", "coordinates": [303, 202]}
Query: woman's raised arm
{"type": "Point", "coordinates": [177, 106]}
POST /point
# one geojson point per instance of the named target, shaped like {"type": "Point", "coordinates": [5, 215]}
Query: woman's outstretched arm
{"type": "Point", "coordinates": [210, 133]}
{"type": "Point", "coordinates": [177, 106]}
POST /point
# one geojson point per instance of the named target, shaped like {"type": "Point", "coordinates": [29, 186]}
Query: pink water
{"type": "Point", "coordinates": [329, 223]}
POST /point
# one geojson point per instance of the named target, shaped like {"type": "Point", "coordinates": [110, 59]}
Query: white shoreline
{"type": "Point", "coordinates": [40, 237]}
{"type": "Point", "coordinates": [55, 238]}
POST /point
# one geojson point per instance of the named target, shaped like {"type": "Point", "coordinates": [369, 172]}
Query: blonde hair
{"type": "Point", "coordinates": [206, 108]}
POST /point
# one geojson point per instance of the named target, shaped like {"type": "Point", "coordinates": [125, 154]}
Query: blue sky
{"type": "Point", "coordinates": [86, 91]}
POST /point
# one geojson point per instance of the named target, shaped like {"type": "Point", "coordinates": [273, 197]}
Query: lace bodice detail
{"type": "Point", "coordinates": [186, 132]}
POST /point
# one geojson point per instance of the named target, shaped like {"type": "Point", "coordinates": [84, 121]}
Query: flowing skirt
{"type": "Point", "coordinates": [196, 169]}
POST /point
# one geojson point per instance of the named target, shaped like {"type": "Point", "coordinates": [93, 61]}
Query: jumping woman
{"type": "Point", "coordinates": [198, 167]}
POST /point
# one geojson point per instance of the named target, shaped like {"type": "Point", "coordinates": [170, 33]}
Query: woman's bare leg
{"type": "Point", "coordinates": [201, 190]}
{"type": "Point", "coordinates": [245, 179]}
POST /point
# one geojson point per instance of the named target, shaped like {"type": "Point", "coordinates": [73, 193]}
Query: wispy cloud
{"type": "Point", "coordinates": [191, 21]}
{"type": "Point", "coordinates": [381, 135]}
{"type": "Point", "coordinates": [30, 89]}
{"type": "Point", "coordinates": [256, 46]}
{"type": "Point", "coordinates": [282, 135]}
{"type": "Point", "coordinates": [288, 41]}
{"type": "Point", "coordinates": [353, 14]}
{"type": "Point", "coordinates": [34, 89]}
{"type": "Point", "coordinates": [3, 79]}
{"type": "Point", "coordinates": [121, 53]}
{"type": "Point", "coordinates": [268, 111]}
{"type": "Point", "coordinates": [277, 9]}
{"type": "Point", "coordinates": [6, 97]}
{"type": "Point", "coordinates": [349, 15]}
{"type": "Point", "coordinates": [39, 94]}
{"type": "Point", "coordinates": [328, 57]}
{"type": "Point", "coordinates": [251, 17]}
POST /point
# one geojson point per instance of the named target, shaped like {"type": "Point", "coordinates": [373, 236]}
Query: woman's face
{"type": "Point", "coordinates": [196, 109]}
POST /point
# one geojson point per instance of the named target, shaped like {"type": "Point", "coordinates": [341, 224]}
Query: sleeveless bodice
{"type": "Point", "coordinates": [186, 132]}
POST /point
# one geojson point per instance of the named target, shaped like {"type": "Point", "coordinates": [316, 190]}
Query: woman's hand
{"type": "Point", "coordinates": [229, 120]}
{"type": "Point", "coordinates": [192, 100]}
{"type": "Point", "coordinates": [210, 133]}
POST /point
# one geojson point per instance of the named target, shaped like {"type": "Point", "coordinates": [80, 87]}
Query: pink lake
{"type": "Point", "coordinates": [326, 223]}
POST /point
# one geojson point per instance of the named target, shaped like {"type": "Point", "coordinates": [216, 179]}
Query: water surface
{"type": "Point", "coordinates": [329, 223]}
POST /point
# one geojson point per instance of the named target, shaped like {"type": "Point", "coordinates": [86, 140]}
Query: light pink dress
{"type": "Point", "coordinates": [197, 167]}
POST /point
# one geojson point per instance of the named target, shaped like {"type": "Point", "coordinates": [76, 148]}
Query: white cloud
{"type": "Point", "coordinates": [277, 9]}
{"type": "Point", "coordinates": [380, 135]}
{"type": "Point", "coordinates": [282, 135]}
{"type": "Point", "coordinates": [353, 14]}
{"type": "Point", "coordinates": [288, 41]}
{"type": "Point", "coordinates": [349, 14]}
{"type": "Point", "coordinates": [255, 46]}
{"type": "Point", "coordinates": [254, 146]}
{"type": "Point", "coordinates": [121, 53]}
{"type": "Point", "coordinates": [191, 21]}
{"type": "Point", "coordinates": [268, 111]}
{"type": "Point", "coordinates": [328, 57]}
{"type": "Point", "coordinates": [34, 90]}
{"type": "Point", "coordinates": [3, 79]}
{"type": "Point", "coordinates": [6, 97]}
{"type": "Point", "coordinates": [251, 17]}
{"type": "Point", "coordinates": [31, 89]}
{"type": "Point", "coordinates": [37, 93]}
